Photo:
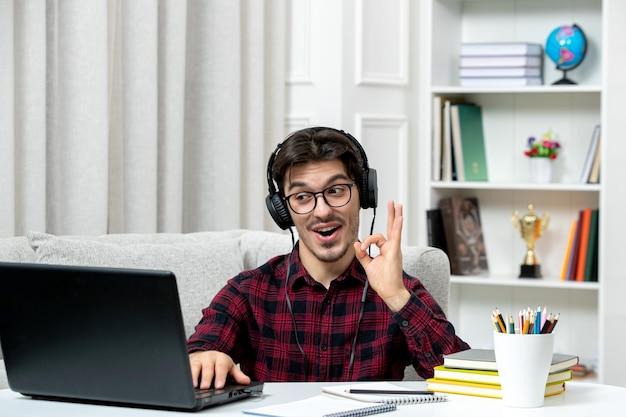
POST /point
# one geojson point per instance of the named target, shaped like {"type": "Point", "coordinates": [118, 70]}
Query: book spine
{"type": "Point", "coordinates": [437, 138]}
{"type": "Point", "coordinates": [500, 81]}
{"type": "Point", "coordinates": [436, 235]}
{"type": "Point", "coordinates": [594, 175]}
{"type": "Point", "coordinates": [500, 72]}
{"type": "Point", "coordinates": [571, 267]}
{"type": "Point", "coordinates": [584, 242]}
{"type": "Point", "coordinates": [457, 145]}
{"type": "Point", "coordinates": [592, 247]}
{"type": "Point", "coordinates": [500, 49]}
{"type": "Point", "coordinates": [501, 61]}
{"type": "Point", "coordinates": [447, 218]}
{"type": "Point", "coordinates": [568, 251]}
{"type": "Point", "coordinates": [591, 154]}
{"type": "Point", "coordinates": [446, 158]}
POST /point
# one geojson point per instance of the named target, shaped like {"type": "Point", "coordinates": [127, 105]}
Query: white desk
{"type": "Point", "coordinates": [580, 399]}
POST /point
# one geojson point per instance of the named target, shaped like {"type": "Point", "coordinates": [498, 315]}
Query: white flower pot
{"type": "Point", "coordinates": [541, 169]}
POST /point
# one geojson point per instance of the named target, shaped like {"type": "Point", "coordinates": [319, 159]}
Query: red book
{"type": "Point", "coordinates": [583, 243]}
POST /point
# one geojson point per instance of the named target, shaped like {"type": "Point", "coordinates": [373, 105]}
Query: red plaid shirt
{"type": "Point", "coordinates": [249, 320]}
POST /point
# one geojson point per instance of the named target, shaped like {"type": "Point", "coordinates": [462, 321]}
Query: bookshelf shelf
{"type": "Point", "coordinates": [546, 89]}
{"type": "Point", "coordinates": [457, 185]}
{"type": "Point", "coordinates": [527, 283]}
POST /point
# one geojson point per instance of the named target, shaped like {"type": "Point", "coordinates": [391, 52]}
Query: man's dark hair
{"type": "Point", "coordinates": [317, 145]}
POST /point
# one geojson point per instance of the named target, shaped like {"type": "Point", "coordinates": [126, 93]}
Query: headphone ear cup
{"type": "Point", "coordinates": [278, 211]}
{"type": "Point", "coordinates": [369, 189]}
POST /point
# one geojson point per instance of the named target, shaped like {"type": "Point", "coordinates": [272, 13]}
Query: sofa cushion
{"type": "Point", "coordinates": [16, 249]}
{"type": "Point", "coordinates": [259, 246]}
{"type": "Point", "coordinates": [202, 262]}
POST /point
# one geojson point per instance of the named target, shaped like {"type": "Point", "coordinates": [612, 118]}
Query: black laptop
{"type": "Point", "coordinates": [100, 335]}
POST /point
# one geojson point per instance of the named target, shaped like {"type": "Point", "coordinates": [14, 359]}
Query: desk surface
{"type": "Point", "coordinates": [579, 399]}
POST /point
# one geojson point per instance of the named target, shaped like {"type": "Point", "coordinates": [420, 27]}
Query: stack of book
{"type": "Point", "coordinates": [581, 256]}
{"type": "Point", "coordinates": [474, 372]}
{"type": "Point", "coordinates": [505, 64]}
{"type": "Point", "coordinates": [459, 148]}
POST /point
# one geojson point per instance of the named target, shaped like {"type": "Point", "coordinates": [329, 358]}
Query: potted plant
{"type": "Point", "coordinates": [541, 153]}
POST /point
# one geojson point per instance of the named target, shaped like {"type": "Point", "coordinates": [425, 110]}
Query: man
{"type": "Point", "coordinates": [326, 310]}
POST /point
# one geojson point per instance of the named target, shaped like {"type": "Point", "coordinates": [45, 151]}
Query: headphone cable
{"type": "Point", "coordinates": [293, 318]}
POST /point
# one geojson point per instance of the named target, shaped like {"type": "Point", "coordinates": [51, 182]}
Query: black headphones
{"type": "Point", "coordinates": [275, 202]}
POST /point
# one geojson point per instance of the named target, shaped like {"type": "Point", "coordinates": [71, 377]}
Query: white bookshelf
{"type": "Point", "coordinates": [510, 116]}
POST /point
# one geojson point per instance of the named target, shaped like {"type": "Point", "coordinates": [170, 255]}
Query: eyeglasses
{"type": "Point", "coordinates": [335, 196]}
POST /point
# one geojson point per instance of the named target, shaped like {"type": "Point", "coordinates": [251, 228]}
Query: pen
{"type": "Point", "coordinates": [388, 392]}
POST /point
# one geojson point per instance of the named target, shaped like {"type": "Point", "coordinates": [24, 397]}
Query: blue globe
{"type": "Point", "coordinates": [566, 46]}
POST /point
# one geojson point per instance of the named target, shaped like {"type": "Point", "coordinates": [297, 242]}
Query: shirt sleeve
{"type": "Point", "coordinates": [219, 328]}
{"type": "Point", "coordinates": [428, 332]}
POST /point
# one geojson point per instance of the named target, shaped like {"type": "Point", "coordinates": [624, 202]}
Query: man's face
{"type": "Point", "coordinates": [327, 233]}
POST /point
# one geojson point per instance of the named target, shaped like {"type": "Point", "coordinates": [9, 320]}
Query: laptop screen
{"type": "Point", "coordinates": [94, 334]}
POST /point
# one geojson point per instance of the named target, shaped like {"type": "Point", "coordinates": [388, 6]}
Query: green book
{"type": "Point", "coordinates": [592, 247]}
{"type": "Point", "coordinates": [485, 359]}
{"type": "Point", "coordinates": [472, 141]}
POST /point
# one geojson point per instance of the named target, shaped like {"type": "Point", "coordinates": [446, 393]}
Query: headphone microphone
{"type": "Point", "coordinates": [368, 187]}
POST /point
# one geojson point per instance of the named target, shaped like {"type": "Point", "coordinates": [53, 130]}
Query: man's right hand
{"type": "Point", "coordinates": [212, 368]}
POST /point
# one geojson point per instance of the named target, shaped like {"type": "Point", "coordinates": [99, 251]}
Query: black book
{"type": "Point", "coordinates": [436, 233]}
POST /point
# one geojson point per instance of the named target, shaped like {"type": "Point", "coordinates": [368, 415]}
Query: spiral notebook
{"type": "Point", "coordinates": [321, 406]}
{"type": "Point", "coordinates": [385, 392]}
{"type": "Point", "coordinates": [337, 401]}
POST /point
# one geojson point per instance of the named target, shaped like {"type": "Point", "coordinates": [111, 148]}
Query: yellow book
{"type": "Point", "coordinates": [568, 252]}
{"type": "Point", "coordinates": [449, 386]}
{"type": "Point", "coordinates": [490, 377]}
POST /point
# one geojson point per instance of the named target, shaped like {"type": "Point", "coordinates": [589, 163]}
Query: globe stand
{"type": "Point", "coordinates": [566, 46]}
{"type": "Point", "coordinates": [564, 80]}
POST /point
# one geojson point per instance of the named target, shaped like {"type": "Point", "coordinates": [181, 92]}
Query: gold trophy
{"type": "Point", "coordinates": [531, 228]}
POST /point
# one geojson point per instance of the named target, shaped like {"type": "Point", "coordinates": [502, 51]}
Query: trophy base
{"type": "Point", "coordinates": [530, 271]}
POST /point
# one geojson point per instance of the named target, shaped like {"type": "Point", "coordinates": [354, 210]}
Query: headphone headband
{"type": "Point", "coordinates": [368, 188]}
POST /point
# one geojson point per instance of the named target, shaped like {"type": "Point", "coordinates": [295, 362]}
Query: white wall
{"type": "Point", "coordinates": [349, 67]}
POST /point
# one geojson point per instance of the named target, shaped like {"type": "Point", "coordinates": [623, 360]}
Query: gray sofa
{"type": "Point", "coordinates": [202, 262]}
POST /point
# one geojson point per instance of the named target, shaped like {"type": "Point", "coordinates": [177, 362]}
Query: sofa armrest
{"type": "Point", "coordinates": [432, 267]}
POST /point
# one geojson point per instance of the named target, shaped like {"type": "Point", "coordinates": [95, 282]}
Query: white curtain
{"type": "Point", "coordinates": [138, 116]}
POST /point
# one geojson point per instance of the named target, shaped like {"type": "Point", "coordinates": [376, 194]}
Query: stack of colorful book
{"type": "Point", "coordinates": [581, 256]}
{"type": "Point", "coordinates": [504, 64]}
{"type": "Point", "coordinates": [474, 372]}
